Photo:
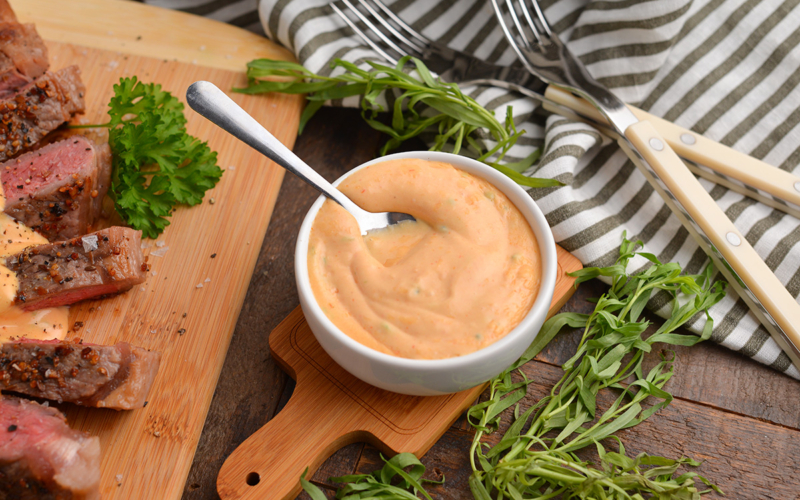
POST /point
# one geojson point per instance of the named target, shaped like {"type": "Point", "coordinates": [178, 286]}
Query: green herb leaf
{"type": "Point", "coordinates": [156, 163]}
{"type": "Point", "coordinates": [531, 464]}
{"type": "Point", "coordinates": [423, 105]}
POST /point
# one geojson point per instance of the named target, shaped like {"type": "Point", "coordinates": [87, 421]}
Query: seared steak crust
{"type": "Point", "coordinates": [6, 12]}
{"type": "Point", "coordinates": [42, 458]}
{"type": "Point", "coordinates": [98, 264]}
{"type": "Point", "coordinates": [117, 376]}
{"type": "Point", "coordinates": [22, 50]}
{"type": "Point", "coordinates": [58, 189]}
{"type": "Point", "coordinates": [38, 108]}
{"type": "Point", "coordinates": [23, 54]}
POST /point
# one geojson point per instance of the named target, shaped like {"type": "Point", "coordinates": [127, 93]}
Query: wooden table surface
{"type": "Point", "coordinates": [738, 416]}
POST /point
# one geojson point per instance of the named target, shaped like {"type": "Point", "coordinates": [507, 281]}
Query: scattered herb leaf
{"type": "Point", "coordinates": [156, 163]}
{"type": "Point", "coordinates": [424, 104]}
{"type": "Point", "coordinates": [536, 465]}
{"type": "Point", "coordinates": [378, 485]}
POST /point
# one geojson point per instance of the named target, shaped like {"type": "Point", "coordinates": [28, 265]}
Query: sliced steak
{"type": "Point", "coordinates": [58, 189]}
{"type": "Point", "coordinates": [42, 458]}
{"type": "Point", "coordinates": [98, 264]}
{"type": "Point", "coordinates": [22, 51]}
{"type": "Point", "coordinates": [7, 13]}
{"type": "Point", "coordinates": [38, 108]}
{"type": "Point", "coordinates": [115, 376]}
{"type": "Point", "coordinates": [23, 54]}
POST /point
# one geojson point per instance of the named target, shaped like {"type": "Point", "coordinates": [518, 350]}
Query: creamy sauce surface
{"type": "Point", "coordinates": [456, 280]}
{"type": "Point", "coordinates": [48, 323]}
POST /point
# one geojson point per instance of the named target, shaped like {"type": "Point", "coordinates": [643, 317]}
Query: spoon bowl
{"type": "Point", "coordinates": [212, 103]}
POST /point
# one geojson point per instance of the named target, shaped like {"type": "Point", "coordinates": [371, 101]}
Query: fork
{"type": "Point", "coordinates": [543, 53]}
{"type": "Point", "coordinates": [388, 35]}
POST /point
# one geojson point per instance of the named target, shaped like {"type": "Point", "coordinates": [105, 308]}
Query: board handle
{"type": "Point", "coordinates": [269, 463]}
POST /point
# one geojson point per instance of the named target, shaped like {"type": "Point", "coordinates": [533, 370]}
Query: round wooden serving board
{"type": "Point", "coordinates": [188, 307]}
{"type": "Point", "coordinates": [330, 408]}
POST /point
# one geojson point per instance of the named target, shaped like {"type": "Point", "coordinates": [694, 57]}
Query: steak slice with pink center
{"type": "Point", "coordinates": [93, 266]}
{"type": "Point", "coordinates": [38, 108]}
{"type": "Point", "coordinates": [42, 458]}
{"type": "Point", "coordinates": [58, 190]}
{"type": "Point", "coordinates": [116, 376]}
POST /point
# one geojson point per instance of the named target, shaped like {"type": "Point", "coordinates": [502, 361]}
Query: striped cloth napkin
{"type": "Point", "coordinates": [727, 69]}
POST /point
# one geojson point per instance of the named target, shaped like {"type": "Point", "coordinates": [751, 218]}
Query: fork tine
{"type": "Point", "coordinates": [408, 29]}
{"type": "Point", "coordinates": [512, 40]}
{"type": "Point", "coordinates": [388, 41]}
{"type": "Point", "coordinates": [377, 48]}
{"type": "Point", "coordinates": [541, 17]}
{"type": "Point", "coordinates": [513, 12]}
{"type": "Point", "coordinates": [531, 24]}
{"type": "Point", "coordinates": [386, 24]}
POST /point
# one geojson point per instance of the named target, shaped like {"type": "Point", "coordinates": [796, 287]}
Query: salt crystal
{"type": "Point", "coordinates": [152, 331]}
{"type": "Point", "coordinates": [194, 61]}
{"type": "Point", "coordinates": [202, 48]}
{"type": "Point", "coordinates": [228, 56]}
{"type": "Point", "coordinates": [110, 33]}
{"type": "Point", "coordinates": [199, 285]}
{"type": "Point", "coordinates": [118, 477]}
{"type": "Point", "coordinates": [160, 252]}
{"type": "Point", "coordinates": [160, 244]}
{"type": "Point", "coordinates": [142, 288]}
{"type": "Point", "coordinates": [208, 280]}
{"type": "Point", "coordinates": [145, 244]}
{"type": "Point", "coordinates": [113, 64]}
{"type": "Point", "coordinates": [231, 168]}
{"type": "Point", "coordinates": [89, 243]}
{"type": "Point", "coordinates": [154, 273]}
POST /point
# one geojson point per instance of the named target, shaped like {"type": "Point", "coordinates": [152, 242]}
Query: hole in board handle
{"type": "Point", "coordinates": [253, 479]}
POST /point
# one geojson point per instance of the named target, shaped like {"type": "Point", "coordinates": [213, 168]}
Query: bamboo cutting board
{"type": "Point", "coordinates": [330, 408]}
{"type": "Point", "coordinates": [188, 307]}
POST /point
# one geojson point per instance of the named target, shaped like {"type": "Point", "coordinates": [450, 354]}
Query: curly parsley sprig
{"type": "Point", "coordinates": [156, 163]}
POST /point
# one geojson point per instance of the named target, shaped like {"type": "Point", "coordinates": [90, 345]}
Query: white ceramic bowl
{"type": "Point", "coordinates": [437, 376]}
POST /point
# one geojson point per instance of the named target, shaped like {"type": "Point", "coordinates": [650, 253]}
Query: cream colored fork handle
{"type": "Point", "coordinates": [723, 237]}
{"type": "Point", "coordinates": [694, 147]}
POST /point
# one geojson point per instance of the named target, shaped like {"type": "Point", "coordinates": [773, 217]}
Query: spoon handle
{"type": "Point", "coordinates": [215, 105]}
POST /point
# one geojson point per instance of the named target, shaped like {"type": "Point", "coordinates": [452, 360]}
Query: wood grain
{"type": "Point", "coordinates": [332, 409]}
{"type": "Point", "coordinates": [725, 442]}
{"type": "Point", "coordinates": [748, 456]}
{"type": "Point", "coordinates": [189, 305]}
{"type": "Point", "coordinates": [253, 388]}
{"type": "Point", "coordinates": [143, 30]}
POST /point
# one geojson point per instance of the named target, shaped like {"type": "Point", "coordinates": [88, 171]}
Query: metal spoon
{"type": "Point", "coordinates": [212, 103]}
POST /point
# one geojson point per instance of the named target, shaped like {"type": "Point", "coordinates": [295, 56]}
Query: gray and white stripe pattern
{"type": "Point", "coordinates": [242, 13]}
{"type": "Point", "coordinates": [728, 69]}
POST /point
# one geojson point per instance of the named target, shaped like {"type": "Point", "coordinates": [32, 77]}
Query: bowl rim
{"type": "Point", "coordinates": [539, 308]}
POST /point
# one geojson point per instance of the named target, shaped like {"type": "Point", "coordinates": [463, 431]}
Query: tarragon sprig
{"type": "Point", "coordinates": [536, 456]}
{"type": "Point", "coordinates": [421, 104]}
{"type": "Point", "coordinates": [392, 482]}
{"type": "Point", "coordinates": [533, 463]}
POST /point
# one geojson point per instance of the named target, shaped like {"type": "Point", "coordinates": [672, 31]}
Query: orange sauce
{"type": "Point", "coordinates": [456, 280]}
{"type": "Point", "coordinates": [48, 323]}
